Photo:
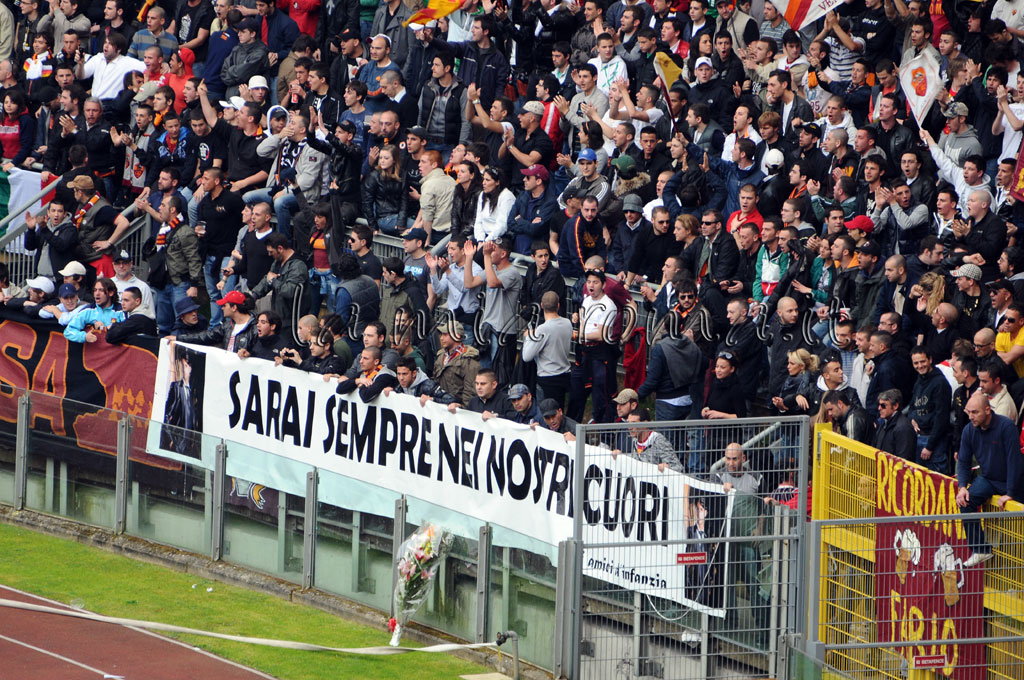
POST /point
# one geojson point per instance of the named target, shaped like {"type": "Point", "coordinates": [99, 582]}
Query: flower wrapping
{"type": "Point", "coordinates": [418, 560]}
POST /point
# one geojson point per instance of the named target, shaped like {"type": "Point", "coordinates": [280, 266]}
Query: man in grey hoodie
{"type": "Point", "coordinates": [962, 139]}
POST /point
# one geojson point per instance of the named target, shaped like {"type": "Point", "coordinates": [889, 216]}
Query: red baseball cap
{"type": "Point", "coordinates": [536, 170]}
{"type": "Point", "coordinates": [861, 223]}
{"type": "Point", "coordinates": [234, 297]}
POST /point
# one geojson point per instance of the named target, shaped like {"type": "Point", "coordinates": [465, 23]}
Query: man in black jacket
{"type": "Point", "coordinates": [891, 371]}
{"type": "Point", "coordinates": [895, 434]}
{"type": "Point", "coordinates": [716, 259]}
{"type": "Point", "coordinates": [238, 313]}
{"type": "Point", "coordinates": [984, 235]}
{"type": "Point", "coordinates": [489, 402]}
{"type": "Point", "coordinates": [848, 419]}
{"type": "Point", "coordinates": [929, 412]}
{"type": "Point", "coordinates": [133, 323]}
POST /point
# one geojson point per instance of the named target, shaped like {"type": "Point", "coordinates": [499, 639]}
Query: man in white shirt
{"type": "Point", "coordinates": [599, 356]}
{"type": "Point", "coordinates": [108, 68]}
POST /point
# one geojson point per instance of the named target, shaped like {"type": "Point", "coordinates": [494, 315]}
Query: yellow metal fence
{"type": "Point", "coordinates": [846, 479]}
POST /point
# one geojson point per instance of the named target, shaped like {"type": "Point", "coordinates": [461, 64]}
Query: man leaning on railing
{"type": "Point", "coordinates": [993, 441]}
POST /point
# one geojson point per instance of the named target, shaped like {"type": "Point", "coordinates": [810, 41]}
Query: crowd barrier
{"type": "Point", "coordinates": [891, 597]}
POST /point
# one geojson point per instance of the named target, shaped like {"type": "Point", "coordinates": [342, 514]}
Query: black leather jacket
{"type": "Point", "coordinates": [221, 335]}
{"type": "Point", "coordinates": [383, 196]}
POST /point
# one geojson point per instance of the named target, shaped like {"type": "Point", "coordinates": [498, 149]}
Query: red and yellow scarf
{"type": "Point", "coordinates": [81, 212]}
{"type": "Point", "coordinates": [161, 236]}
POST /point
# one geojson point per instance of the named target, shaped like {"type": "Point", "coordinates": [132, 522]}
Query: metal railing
{"type": "Point", "coordinates": [688, 561]}
{"type": "Point", "coordinates": [22, 262]}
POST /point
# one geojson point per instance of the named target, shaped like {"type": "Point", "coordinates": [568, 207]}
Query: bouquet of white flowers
{"type": "Point", "coordinates": [418, 559]}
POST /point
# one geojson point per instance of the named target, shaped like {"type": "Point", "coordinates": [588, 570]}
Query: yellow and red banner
{"type": "Point", "coordinates": [435, 9]}
{"type": "Point", "coordinates": [923, 592]}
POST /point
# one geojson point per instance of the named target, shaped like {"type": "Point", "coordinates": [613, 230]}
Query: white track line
{"type": "Point", "coordinates": [56, 656]}
{"type": "Point", "coordinates": [150, 633]}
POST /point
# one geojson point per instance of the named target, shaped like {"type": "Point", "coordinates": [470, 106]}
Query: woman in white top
{"type": "Point", "coordinates": [493, 206]}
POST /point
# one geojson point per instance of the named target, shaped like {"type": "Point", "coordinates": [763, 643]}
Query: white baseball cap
{"type": "Point", "coordinates": [41, 283]}
{"type": "Point", "coordinates": [258, 81]}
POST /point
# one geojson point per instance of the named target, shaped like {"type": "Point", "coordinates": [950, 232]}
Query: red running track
{"type": "Point", "coordinates": [38, 646]}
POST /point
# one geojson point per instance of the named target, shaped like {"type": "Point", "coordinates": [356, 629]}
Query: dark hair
{"type": "Point", "coordinates": [110, 287]}
{"type": "Point", "coordinates": [78, 155]}
{"type": "Point", "coordinates": [783, 77]}
{"type": "Point", "coordinates": [117, 41]}
{"type": "Point", "coordinates": [359, 88]}
{"type": "Point", "coordinates": [408, 363]}
{"type": "Point", "coordinates": [347, 267]}
{"type": "Point", "coordinates": [562, 47]}
{"type": "Point", "coordinates": [273, 318]}
{"type": "Point", "coordinates": [394, 265]}
{"type": "Point", "coordinates": [303, 43]}
{"type": "Point", "coordinates": [448, 61]}
{"type": "Point", "coordinates": [363, 233]}
{"type": "Point", "coordinates": [921, 349]}
{"type": "Point", "coordinates": [977, 160]}
{"type": "Point", "coordinates": [480, 150]}
{"type": "Point", "coordinates": [18, 97]}
{"type": "Point", "coordinates": [277, 240]}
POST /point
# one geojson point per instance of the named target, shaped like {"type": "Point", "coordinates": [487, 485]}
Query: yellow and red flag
{"type": "Point", "coordinates": [434, 10]}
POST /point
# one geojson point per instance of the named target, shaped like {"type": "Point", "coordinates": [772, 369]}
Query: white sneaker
{"type": "Point", "coordinates": [976, 559]}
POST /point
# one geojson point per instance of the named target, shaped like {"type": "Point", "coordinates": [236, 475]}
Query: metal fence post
{"type": "Point", "coordinates": [811, 615]}
{"type": "Point", "coordinates": [802, 545]}
{"type": "Point", "coordinates": [397, 538]}
{"type": "Point", "coordinates": [565, 581]}
{"type": "Point", "coordinates": [309, 530]}
{"type": "Point", "coordinates": [21, 451]}
{"type": "Point", "coordinates": [217, 539]}
{"type": "Point", "coordinates": [124, 441]}
{"type": "Point", "coordinates": [483, 583]}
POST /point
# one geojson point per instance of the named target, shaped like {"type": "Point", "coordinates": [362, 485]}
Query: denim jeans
{"type": "Point", "coordinates": [211, 272]}
{"type": "Point", "coordinates": [937, 462]}
{"type": "Point", "coordinates": [284, 207]}
{"type": "Point", "coordinates": [664, 411]}
{"type": "Point", "coordinates": [389, 224]}
{"type": "Point", "coordinates": [164, 298]}
{"type": "Point", "coordinates": [979, 492]}
{"type": "Point", "coordinates": [324, 287]}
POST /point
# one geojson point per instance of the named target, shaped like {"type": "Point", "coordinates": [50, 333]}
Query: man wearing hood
{"type": "Point", "coordinates": [831, 379]}
{"type": "Point", "coordinates": [414, 382]}
{"type": "Point", "coordinates": [674, 368]}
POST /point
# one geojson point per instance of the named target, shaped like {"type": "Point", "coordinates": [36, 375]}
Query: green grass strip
{"type": "Point", "coordinates": [115, 585]}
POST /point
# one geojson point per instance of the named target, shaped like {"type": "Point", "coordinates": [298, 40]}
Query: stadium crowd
{"type": "Point", "coordinates": [741, 217]}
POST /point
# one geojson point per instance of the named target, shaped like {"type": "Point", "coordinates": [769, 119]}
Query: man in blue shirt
{"type": "Point", "coordinates": [992, 441]}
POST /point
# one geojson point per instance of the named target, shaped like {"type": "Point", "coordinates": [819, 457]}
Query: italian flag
{"type": "Point", "coordinates": [16, 187]}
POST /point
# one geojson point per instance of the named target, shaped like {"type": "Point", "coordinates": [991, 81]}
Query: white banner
{"type": "Point", "coordinates": [23, 185]}
{"type": "Point", "coordinates": [495, 471]}
{"type": "Point", "coordinates": [921, 83]}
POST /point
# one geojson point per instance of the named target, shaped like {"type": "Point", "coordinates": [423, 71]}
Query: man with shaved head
{"type": "Point", "coordinates": [785, 337]}
{"type": "Point", "coordinates": [992, 441]}
{"type": "Point", "coordinates": [940, 337]}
